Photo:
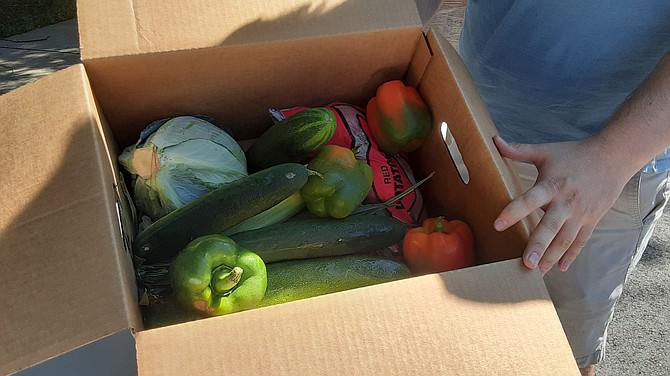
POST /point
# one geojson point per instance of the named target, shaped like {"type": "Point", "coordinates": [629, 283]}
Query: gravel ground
{"type": "Point", "coordinates": [638, 338]}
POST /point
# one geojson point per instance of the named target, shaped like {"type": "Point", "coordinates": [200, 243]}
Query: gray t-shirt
{"type": "Point", "coordinates": [556, 70]}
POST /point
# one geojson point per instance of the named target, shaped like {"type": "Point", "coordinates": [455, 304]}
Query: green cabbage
{"type": "Point", "coordinates": [177, 160]}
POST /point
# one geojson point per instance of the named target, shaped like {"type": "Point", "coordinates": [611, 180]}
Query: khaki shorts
{"type": "Point", "coordinates": [586, 294]}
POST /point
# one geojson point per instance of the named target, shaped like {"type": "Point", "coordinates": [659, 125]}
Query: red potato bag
{"type": "Point", "coordinates": [392, 175]}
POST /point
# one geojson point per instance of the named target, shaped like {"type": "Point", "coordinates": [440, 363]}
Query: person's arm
{"type": "Point", "coordinates": [579, 181]}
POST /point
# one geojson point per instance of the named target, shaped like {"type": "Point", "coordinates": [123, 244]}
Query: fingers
{"type": "Point", "coordinates": [576, 247]}
{"type": "Point", "coordinates": [551, 244]}
{"type": "Point", "coordinates": [556, 239]}
{"type": "Point", "coordinates": [562, 249]}
{"type": "Point", "coordinates": [564, 192]}
{"type": "Point", "coordinates": [535, 198]}
{"type": "Point", "coordinates": [518, 152]}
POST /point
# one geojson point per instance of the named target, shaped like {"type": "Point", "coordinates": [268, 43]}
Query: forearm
{"type": "Point", "coordinates": [640, 128]}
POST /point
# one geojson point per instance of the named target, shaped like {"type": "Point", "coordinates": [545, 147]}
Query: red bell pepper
{"type": "Point", "coordinates": [438, 245]}
{"type": "Point", "coordinates": [398, 118]}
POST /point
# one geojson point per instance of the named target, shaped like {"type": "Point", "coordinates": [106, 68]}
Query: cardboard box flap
{"type": "Point", "coordinates": [494, 319]}
{"type": "Point", "coordinates": [491, 184]}
{"type": "Point", "coordinates": [238, 84]}
{"type": "Point", "coordinates": [63, 281]}
{"type": "Point", "coordinates": [114, 28]}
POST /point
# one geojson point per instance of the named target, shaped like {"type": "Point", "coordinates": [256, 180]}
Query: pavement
{"type": "Point", "coordinates": [29, 56]}
{"type": "Point", "coordinates": [638, 341]}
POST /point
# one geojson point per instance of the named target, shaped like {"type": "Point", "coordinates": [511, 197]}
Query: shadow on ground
{"type": "Point", "coordinates": [28, 56]}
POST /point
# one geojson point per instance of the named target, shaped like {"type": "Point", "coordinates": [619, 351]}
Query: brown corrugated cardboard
{"type": "Point", "coordinates": [119, 28]}
{"type": "Point", "coordinates": [65, 277]}
{"type": "Point", "coordinates": [64, 259]}
{"type": "Point", "coordinates": [448, 89]}
{"type": "Point", "coordinates": [238, 84]}
{"type": "Point", "coordinates": [465, 322]}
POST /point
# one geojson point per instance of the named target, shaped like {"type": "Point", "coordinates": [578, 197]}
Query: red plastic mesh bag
{"type": "Point", "coordinates": [392, 175]}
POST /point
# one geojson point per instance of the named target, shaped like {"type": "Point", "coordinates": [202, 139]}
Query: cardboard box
{"type": "Point", "coordinates": [68, 296]}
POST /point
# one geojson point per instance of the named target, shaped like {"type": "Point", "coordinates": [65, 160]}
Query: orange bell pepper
{"type": "Point", "coordinates": [398, 118]}
{"type": "Point", "coordinates": [438, 245]}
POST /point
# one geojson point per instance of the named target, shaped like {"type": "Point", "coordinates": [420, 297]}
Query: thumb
{"type": "Point", "coordinates": [516, 151]}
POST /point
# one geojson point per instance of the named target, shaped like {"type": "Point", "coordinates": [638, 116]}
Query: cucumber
{"type": "Point", "coordinates": [300, 279]}
{"type": "Point", "coordinates": [320, 237]}
{"type": "Point", "coordinates": [218, 210]}
{"type": "Point", "coordinates": [292, 139]}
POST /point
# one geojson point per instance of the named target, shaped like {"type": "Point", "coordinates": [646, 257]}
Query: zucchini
{"type": "Point", "coordinates": [299, 279]}
{"type": "Point", "coordinates": [218, 210]}
{"type": "Point", "coordinates": [281, 212]}
{"type": "Point", "coordinates": [319, 237]}
{"type": "Point", "coordinates": [292, 139]}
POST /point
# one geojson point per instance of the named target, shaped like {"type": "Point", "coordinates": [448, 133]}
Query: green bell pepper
{"type": "Point", "coordinates": [214, 276]}
{"type": "Point", "coordinates": [341, 185]}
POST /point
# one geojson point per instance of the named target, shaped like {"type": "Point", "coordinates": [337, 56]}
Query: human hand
{"type": "Point", "coordinates": [576, 186]}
